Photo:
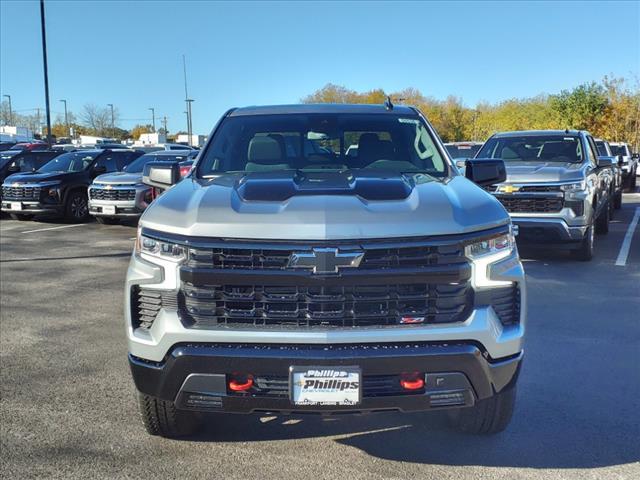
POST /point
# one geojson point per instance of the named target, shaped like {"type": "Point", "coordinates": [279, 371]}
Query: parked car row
{"type": "Point", "coordinates": [59, 183]}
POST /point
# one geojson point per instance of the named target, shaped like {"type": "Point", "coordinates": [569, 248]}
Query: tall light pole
{"type": "Point", "coordinates": [187, 100]}
{"type": "Point", "coordinates": [153, 116]}
{"type": "Point", "coordinates": [10, 111]}
{"type": "Point", "coordinates": [190, 126]}
{"type": "Point", "coordinates": [113, 130]}
{"type": "Point", "coordinates": [66, 117]}
{"type": "Point", "coordinates": [46, 72]}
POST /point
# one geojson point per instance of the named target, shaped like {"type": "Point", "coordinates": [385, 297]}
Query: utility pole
{"type": "Point", "coordinates": [46, 72]}
{"type": "Point", "coordinates": [66, 117]}
{"type": "Point", "coordinates": [38, 125]}
{"type": "Point", "coordinates": [10, 111]}
{"type": "Point", "coordinates": [187, 100]}
{"type": "Point", "coordinates": [164, 122]}
{"type": "Point", "coordinates": [113, 130]}
{"type": "Point", "coordinates": [153, 116]}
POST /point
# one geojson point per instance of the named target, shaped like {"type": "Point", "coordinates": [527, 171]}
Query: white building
{"type": "Point", "coordinates": [15, 134]}
{"type": "Point", "coordinates": [196, 140]}
{"type": "Point", "coordinates": [151, 139]}
{"type": "Point", "coordinates": [92, 140]}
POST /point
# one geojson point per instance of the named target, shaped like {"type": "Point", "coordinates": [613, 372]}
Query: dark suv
{"type": "Point", "coordinates": [15, 161]}
{"type": "Point", "coordinates": [60, 186]}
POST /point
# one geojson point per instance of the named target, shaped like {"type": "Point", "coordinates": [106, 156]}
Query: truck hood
{"type": "Point", "coordinates": [219, 208]}
{"type": "Point", "coordinates": [119, 178]}
{"type": "Point", "coordinates": [34, 177]}
{"type": "Point", "coordinates": [531, 172]}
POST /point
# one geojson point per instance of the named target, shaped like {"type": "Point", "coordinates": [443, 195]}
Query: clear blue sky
{"type": "Point", "coordinates": [130, 53]}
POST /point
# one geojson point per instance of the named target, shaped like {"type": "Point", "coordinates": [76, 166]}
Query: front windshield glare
{"type": "Point", "coordinates": [534, 148]}
{"type": "Point", "coordinates": [323, 143]}
{"type": "Point", "coordinates": [69, 162]}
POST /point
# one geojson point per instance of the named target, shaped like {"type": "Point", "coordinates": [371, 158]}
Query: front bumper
{"type": "Point", "coordinates": [195, 375]}
{"type": "Point", "coordinates": [32, 207]}
{"type": "Point", "coordinates": [122, 209]}
{"type": "Point", "coordinates": [536, 230]}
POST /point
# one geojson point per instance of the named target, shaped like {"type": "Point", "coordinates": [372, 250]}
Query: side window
{"type": "Point", "coordinates": [125, 158]}
{"type": "Point", "coordinates": [108, 161]}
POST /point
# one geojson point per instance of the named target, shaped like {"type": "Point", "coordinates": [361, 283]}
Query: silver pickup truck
{"type": "Point", "coordinates": [558, 190]}
{"type": "Point", "coordinates": [280, 278]}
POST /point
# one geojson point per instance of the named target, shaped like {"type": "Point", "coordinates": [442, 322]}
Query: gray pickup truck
{"type": "Point", "coordinates": [558, 189]}
{"type": "Point", "coordinates": [628, 163]}
{"type": "Point", "coordinates": [280, 278]}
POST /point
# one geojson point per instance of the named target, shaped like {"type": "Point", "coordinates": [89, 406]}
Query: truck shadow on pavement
{"type": "Point", "coordinates": [543, 434]}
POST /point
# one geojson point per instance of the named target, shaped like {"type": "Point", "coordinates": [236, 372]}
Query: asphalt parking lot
{"type": "Point", "coordinates": [68, 408]}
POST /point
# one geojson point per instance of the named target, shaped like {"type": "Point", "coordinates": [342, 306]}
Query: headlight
{"type": "Point", "coordinates": [160, 248]}
{"type": "Point", "coordinates": [501, 246]}
{"type": "Point", "coordinates": [574, 187]}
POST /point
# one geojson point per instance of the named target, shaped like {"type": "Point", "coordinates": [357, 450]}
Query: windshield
{"type": "Point", "coordinates": [462, 151]}
{"type": "Point", "coordinates": [534, 148]}
{"type": "Point", "coordinates": [619, 150]}
{"type": "Point", "coordinates": [322, 142]}
{"type": "Point", "coordinates": [70, 162]}
{"type": "Point", "coordinates": [137, 166]}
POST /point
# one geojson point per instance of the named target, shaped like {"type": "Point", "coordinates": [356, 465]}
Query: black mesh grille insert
{"type": "Point", "coordinates": [206, 306]}
{"type": "Point", "coordinates": [112, 194]}
{"type": "Point", "coordinates": [531, 204]}
{"type": "Point", "coordinates": [21, 193]}
{"type": "Point", "coordinates": [506, 304]}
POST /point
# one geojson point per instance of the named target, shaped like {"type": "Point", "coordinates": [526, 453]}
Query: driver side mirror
{"type": "Point", "coordinates": [488, 171]}
{"type": "Point", "coordinates": [13, 169]}
{"type": "Point", "coordinates": [606, 161]}
{"type": "Point", "coordinates": [161, 174]}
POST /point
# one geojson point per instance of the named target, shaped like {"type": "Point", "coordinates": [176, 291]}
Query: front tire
{"type": "Point", "coordinates": [487, 417]}
{"type": "Point", "coordinates": [161, 417]}
{"type": "Point", "coordinates": [585, 250]}
{"type": "Point", "coordinates": [77, 209]}
{"type": "Point", "coordinates": [617, 200]}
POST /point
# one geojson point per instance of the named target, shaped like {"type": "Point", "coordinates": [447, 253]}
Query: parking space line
{"type": "Point", "coordinates": [54, 228]}
{"type": "Point", "coordinates": [621, 261]}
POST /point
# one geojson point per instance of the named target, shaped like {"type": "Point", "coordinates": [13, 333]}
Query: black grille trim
{"type": "Point", "coordinates": [505, 301]}
{"type": "Point", "coordinates": [212, 306]}
{"type": "Point", "coordinates": [21, 193]}
{"type": "Point", "coordinates": [531, 204]}
{"type": "Point", "coordinates": [116, 194]}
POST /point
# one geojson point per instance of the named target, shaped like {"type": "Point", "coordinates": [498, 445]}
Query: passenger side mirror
{"type": "Point", "coordinates": [487, 171]}
{"type": "Point", "coordinates": [635, 156]}
{"type": "Point", "coordinates": [161, 174]}
{"type": "Point", "coordinates": [606, 161]}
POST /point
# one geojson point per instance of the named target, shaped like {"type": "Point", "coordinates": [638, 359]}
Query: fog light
{"type": "Point", "coordinates": [240, 383]}
{"type": "Point", "coordinates": [447, 399]}
{"type": "Point", "coordinates": [412, 381]}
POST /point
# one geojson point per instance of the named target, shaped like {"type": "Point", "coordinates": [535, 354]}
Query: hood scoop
{"type": "Point", "coordinates": [281, 186]}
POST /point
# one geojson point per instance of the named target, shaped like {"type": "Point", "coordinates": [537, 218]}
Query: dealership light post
{"type": "Point", "coordinates": [113, 129]}
{"type": "Point", "coordinates": [46, 72]}
{"type": "Point", "coordinates": [190, 126]}
{"type": "Point", "coordinates": [153, 116]}
{"type": "Point", "coordinates": [10, 111]}
{"type": "Point", "coordinates": [66, 117]}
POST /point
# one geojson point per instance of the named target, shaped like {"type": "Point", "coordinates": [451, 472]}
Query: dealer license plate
{"type": "Point", "coordinates": [15, 206]}
{"type": "Point", "coordinates": [109, 210]}
{"type": "Point", "coordinates": [325, 385]}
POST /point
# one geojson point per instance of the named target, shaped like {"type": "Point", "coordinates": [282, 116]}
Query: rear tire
{"type": "Point", "coordinates": [77, 208]}
{"type": "Point", "coordinates": [22, 218]}
{"type": "Point", "coordinates": [486, 417]}
{"type": "Point", "coordinates": [107, 220]}
{"type": "Point", "coordinates": [602, 222]}
{"type": "Point", "coordinates": [161, 417]}
{"type": "Point", "coordinates": [584, 252]}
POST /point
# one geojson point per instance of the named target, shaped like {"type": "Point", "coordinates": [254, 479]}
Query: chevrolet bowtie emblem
{"type": "Point", "coordinates": [509, 189]}
{"type": "Point", "coordinates": [108, 187]}
{"type": "Point", "coordinates": [325, 260]}
{"type": "Point", "coordinates": [15, 185]}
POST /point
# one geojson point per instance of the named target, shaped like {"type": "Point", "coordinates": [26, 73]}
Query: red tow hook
{"type": "Point", "coordinates": [412, 381]}
{"type": "Point", "coordinates": [241, 383]}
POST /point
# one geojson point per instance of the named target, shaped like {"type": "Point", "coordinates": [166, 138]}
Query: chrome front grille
{"type": "Point", "coordinates": [118, 194]}
{"type": "Point", "coordinates": [21, 193]}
